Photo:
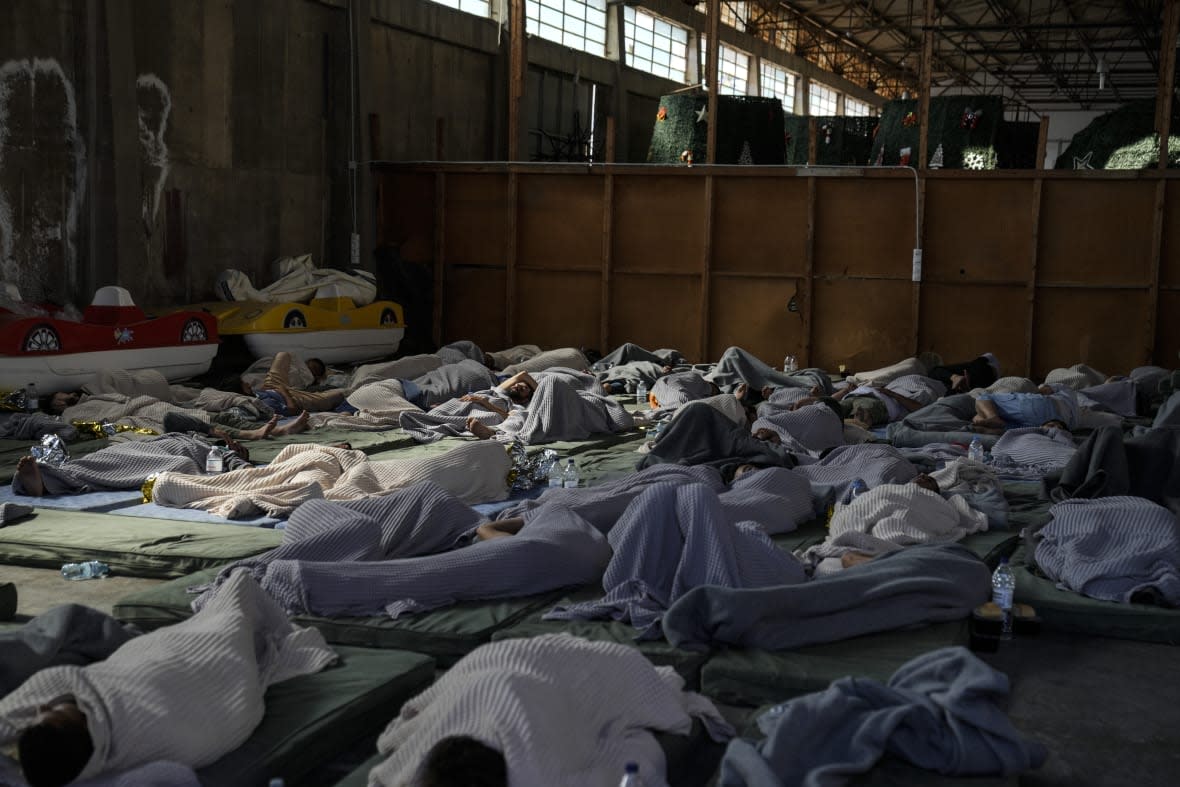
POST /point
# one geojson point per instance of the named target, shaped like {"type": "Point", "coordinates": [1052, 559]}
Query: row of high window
{"type": "Point", "coordinates": [661, 47]}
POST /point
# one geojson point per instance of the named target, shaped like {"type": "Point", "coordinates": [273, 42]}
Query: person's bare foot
{"type": "Point", "coordinates": [261, 432]}
{"type": "Point", "coordinates": [30, 476]}
{"type": "Point", "coordinates": [297, 426]}
{"type": "Point", "coordinates": [479, 429]}
{"type": "Point", "coordinates": [740, 392]}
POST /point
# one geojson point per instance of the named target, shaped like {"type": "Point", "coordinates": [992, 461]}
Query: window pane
{"type": "Point", "coordinates": [477, 7]}
{"type": "Point", "coordinates": [579, 24]}
{"type": "Point", "coordinates": [655, 45]}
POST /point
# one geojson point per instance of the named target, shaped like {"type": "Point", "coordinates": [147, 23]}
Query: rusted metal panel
{"type": "Point", "coordinates": [755, 314]}
{"type": "Point", "coordinates": [475, 306]}
{"type": "Point", "coordinates": [478, 212]}
{"type": "Point", "coordinates": [864, 227]}
{"type": "Point", "coordinates": [861, 323]}
{"type": "Point", "coordinates": [656, 311]}
{"type": "Point", "coordinates": [959, 322]}
{"type": "Point", "coordinates": [772, 210]}
{"type": "Point", "coordinates": [558, 309]}
{"type": "Point", "coordinates": [1097, 232]}
{"type": "Point", "coordinates": [560, 222]}
{"type": "Point", "coordinates": [1099, 327]}
{"type": "Point", "coordinates": [659, 223]}
{"type": "Point", "coordinates": [978, 230]}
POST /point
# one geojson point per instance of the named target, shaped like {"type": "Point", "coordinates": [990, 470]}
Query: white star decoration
{"type": "Point", "coordinates": [1083, 162]}
{"type": "Point", "coordinates": [703, 114]}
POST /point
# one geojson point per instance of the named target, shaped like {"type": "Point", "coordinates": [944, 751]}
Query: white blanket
{"type": "Point", "coordinates": [891, 517]}
{"type": "Point", "coordinates": [475, 472]}
{"type": "Point", "coordinates": [563, 711]}
{"type": "Point", "coordinates": [188, 693]}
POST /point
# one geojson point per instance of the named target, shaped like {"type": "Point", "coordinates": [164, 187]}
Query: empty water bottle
{"type": "Point", "coordinates": [570, 477]}
{"type": "Point", "coordinates": [91, 569]}
{"type": "Point", "coordinates": [556, 476]}
{"type": "Point", "coordinates": [975, 450]}
{"type": "Point", "coordinates": [641, 394]}
{"type": "Point", "coordinates": [631, 776]}
{"type": "Point", "coordinates": [1003, 590]}
{"type": "Point", "coordinates": [215, 460]}
{"type": "Point", "coordinates": [790, 364]}
{"type": "Point", "coordinates": [32, 399]}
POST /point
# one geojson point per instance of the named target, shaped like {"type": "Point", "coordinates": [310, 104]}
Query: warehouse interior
{"type": "Point", "coordinates": [510, 172]}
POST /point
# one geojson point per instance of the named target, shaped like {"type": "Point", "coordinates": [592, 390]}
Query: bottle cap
{"type": "Point", "coordinates": [631, 767]}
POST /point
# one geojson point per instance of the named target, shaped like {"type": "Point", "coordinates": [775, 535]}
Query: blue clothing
{"type": "Point", "coordinates": [1034, 409]}
{"type": "Point", "coordinates": [274, 400]}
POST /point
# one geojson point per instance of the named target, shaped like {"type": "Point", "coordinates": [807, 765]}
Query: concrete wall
{"type": "Point", "coordinates": [153, 144]}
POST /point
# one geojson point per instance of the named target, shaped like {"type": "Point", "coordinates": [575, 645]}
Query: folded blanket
{"type": "Point", "coordinates": [189, 693]}
{"type": "Point", "coordinates": [1124, 549]}
{"type": "Point", "coordinates": [561, 710]}
{"type": "Point", "coordinates": [940, 711]}
{"type": "Point", "coordinates": [923, 584]}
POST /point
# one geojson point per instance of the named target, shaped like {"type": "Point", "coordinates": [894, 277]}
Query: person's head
{"type": "Point", "coordinates": [55, 749]}
{"type": "Point", "coordinates": [1055, 423]}
{"type": "Point", "coordinates": [58, 402]}
{"type": "Point", "coordinates": [235, 384]}
{"type": "Point", "coordinates": [520, 391]}
{"type": "Point", "coordinates": [768, 435]}
{"type": "Point", "coordinates": [317, 369]}
{"type": "Point", "coordinates": [926, 482]}
{"type": "Point", "coordinates": [462, 761]}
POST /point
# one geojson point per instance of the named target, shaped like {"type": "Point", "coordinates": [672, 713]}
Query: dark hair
{"type": "Point", "coordinates": [833, 405]}
{"type": "Point", "coordinates": [52, 755]}
{"type": "Point", "coordinates": [462, 761]}
{"type": "Point", "coordinates": [323, 367]}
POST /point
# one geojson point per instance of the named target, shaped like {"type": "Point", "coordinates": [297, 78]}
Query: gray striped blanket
{"type": "Point", "coordinates": [1124, 549]}
{"type": "Point", "coordinates": [874, 463]}
{"type": "Point", "coordinates": [123, 465]}
{"type": "Point", "coordinates": [566, 357]}
{"type": "Point", "coordinates": [561, 410]}
{"type": "Point", "coordinates": [940, 711]}
{"type": "Point", "coordinates": [811, 428]}
{"type": "Point", "coordinates": [188, 693]}
{"type": "Point", "coordinates": [422, 519]}
{"type": "Point", "coordinates": [449, 419]}
{"type": "Point", "coordinates": [563, 711]}
{"type": "Point", "coordinates": [1032, 451]}
{"type": "Point", "coordinates": [924, 584]}
{"type": "Point", "coordinates": [673, 538]}
{"type": "Point", "coordinates": [737, 366]}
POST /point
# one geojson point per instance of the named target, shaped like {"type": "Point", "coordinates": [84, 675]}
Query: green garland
{"type": "Point", "coordinates": [1124, 138]}
{"type": "Point", "coordinates": [839, 140]}
{"type": "Point", "coordinates": [743, 123]}
{"type": "Point", "coordinates": [965, 144]}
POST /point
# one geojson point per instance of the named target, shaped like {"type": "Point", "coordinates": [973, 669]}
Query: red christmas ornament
{"type": "Point", "coordinates": [909, 120]}
{"type": "Point", "coordinates": [662, 114]}
{"type": "Point", "coordinates": [970, 119]}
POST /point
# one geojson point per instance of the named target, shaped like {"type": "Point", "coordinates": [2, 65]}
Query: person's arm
{"type": "Point", "coordinates": [505, 527]}
{"type": "Point", "coordinates": [519, 377]}
{"type": "Point", "coordinates": [909, 404]}
{"type": "Point", "coordinates": [838, 395]}
{"type": "Point", "coordinates": [485, 403]}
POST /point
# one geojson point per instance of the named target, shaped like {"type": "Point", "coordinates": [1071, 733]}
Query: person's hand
{"type": "Point", "coordinates": [482, 401]}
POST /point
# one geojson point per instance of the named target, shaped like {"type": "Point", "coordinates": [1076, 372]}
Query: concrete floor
{"type": "Point", "coordinates": [38, 589]}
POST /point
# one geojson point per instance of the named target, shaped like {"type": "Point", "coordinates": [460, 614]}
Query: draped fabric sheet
{"type": "Point", "coordinates": [677, 389]}
{"type": "Point", "coordinates": [123, 465]}
{"type": "Point", "coordinates": [188, 693]}
{"type": "Point", "coordinates": [630, 374]}
{"type": "Point", "coordinates": [978, 484]}
{"type": "Point", "coordinates": [812, 428]}
{"type": "Point", "coordinates": [737, 366]}
{"type": "Point", "coordinates": [453, 380]}
{"type": "Point", "coordinates": [873, 463]}
{"type": "Point", "coordinates": [891, 517]}
{"type": "Point", "coordinates": [562, 711]}
{"type": "Point", "coordinates": [475, 472]}
{"type": "Point", "coordinates": [566, 357]}
{"type": "Point", "coordinates": [702, 435]}
{"type": "Point", "coordinates": [32, 426]}
{"type": "Point", "coordinates": [1119, 548]}
{"type": "Point", "coordinates": [1077, 377]}
{"type": "Point", "coordinates": [420, 520]}
{"type": "Point", "coordinates": [140, 412]}
{"type": "Point", "coordinates": [555, 549]}
{"type": "Point", "coordinates": [405, 368]}
{"type": "Point", "coordinates": [516, 354]}
{"type": "Point", "coordinates": [630, 353]}
{"type": "Point", "coordinates": [449, 419]}
{"type": "Point", "coordinates": [889, 373]}
{"type": "Point", "coordinates": [940, 711]}
{"type": "Point", "coordinates": [66, 634]}
{"type": "Point", "coordinates": [923, 584]}
{"type": "Point", "coordinates": [673, 538]}
{"type": "Point", "coordinates": [566, 408]}
{"type": "Point", "coordinates": [1107, 464]}
{"type": "Point", "coordinates": [1033, 451]}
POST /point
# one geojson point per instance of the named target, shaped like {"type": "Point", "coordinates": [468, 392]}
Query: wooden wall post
{"type": "Point", "coordinates": [1163, 100]}
{"type": "Point", "coordinates": [711, 72]}
{"type": "Point", "coordinates": [1042, 142]}
{"type": "Point", "coordinates": [927, 70]}
{"type": "Point", "coordinates": [517, 65]}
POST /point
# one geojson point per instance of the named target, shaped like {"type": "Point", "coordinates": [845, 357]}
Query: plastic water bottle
{"type": "Point", "coordinates": [91, 569]}
{"type": "Point", "coordinates": [641, 394]}
{"type": "Point", "coordinates": [570, 477]}
{"type": "Point", "coordinates": [857, 488]}
{"type": "Point", "coordinates": [1003, 590]}
{"type": "Point", "coordinates": [975, 450]}
{"type": "Point", "coordinates": [32, 400]}
{"type": "Point", "coordinates": [790, 364]}
{"type": "Point", "coordinates": [556, 476]}
{"type": "Point", "coordinates": [215, 460]}
{"type": "Point", "coordinates": [277, 781]}
{"type": "Point", "coordinates": [631, 776]}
